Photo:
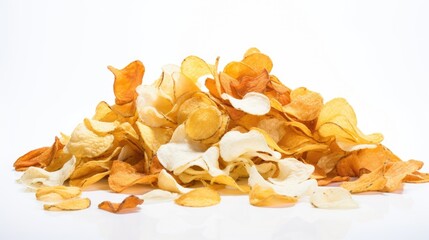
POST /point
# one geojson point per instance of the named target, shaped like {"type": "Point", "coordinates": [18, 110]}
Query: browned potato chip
{"type": "Point", "coordinates": [129, 203]}
{"type": "Point", "coordinates": [200, 197]}
{"type": "Point", "coordinates": [69, 205]}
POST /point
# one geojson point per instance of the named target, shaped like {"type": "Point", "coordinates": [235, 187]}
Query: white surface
{"type": "Point", "coordinates": [53, 58]}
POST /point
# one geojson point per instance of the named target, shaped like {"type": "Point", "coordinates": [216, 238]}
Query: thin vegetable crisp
{"type": "Point", "coordinates": [198, 130]}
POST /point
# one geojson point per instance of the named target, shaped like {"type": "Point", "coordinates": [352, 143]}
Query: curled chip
{"type": "Point", "coordinates": [200, 197]}
{"type": "Point", "coordinates": [129, 203]}
{"type": "Point", "coordinates": [56, 193]}
{"type": "Point", "coordinates": [69, 205]}
{"type": "Point", "coordinates": [330, 197]}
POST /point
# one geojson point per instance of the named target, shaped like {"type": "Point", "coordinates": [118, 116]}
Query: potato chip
{"type": "Point", "coordinates": [194, 67]}
{"type": "Point", "coordinates": [267, 197]}
{"type": "Point", "coordinates": [40, 157]}
{"type": "Point", "coordinates": [158, 195]}
{"type": "Point", "coordinates": [123, 175]}
{"type": "Point", "coordinates": [69, 205]}
{"type": "Point", "coordinates": [234, 144]}
{"type": "Point", "coordinates": [203, 123]}
{"type": "Point", "coordinates": [35, 177]}
{"type": "Point", "coordinates": [332, 197]}
{"type": "Point", "coordinates": [252, 103]}
{"type": "Point", "coordinates": [337, 118]}
{"type": "Point", "coordinates": [200, 197]}
{"type": "Point", "coordinates": [90, 172]}
{"type": "Point", "coordinates": [129, 203]}
{"type": "Point", "coordinates": [126, 81]}
{"type": "Point", "coordinates": [167, 182]}
{"type": "Point", "coordinates": [57, 193]}
{"type": "Point", "coordinates": [85, 143]}
{"type": "Point", "coordinates": [373, 181]}
{"type": "Point", "coordinates": [397, 171]}
{"type": "Point", "coordinates": [305, 105]}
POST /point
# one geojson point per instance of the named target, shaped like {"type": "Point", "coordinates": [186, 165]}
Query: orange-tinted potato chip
{"type": "Point", "coordinates": [69, 205]}
{"type": "Point", "coordinates": [126, 81]}
{"type": "Point", "coordinates": [373, 181]}
{"type": "Point", "coordinates": [200, 197]}
{"type": "Point", "coordinates": [305, 105]}
{"type": "Point", "coordinates": [128, 204]}
{"type": "Point", "coordinates": [123, 175]}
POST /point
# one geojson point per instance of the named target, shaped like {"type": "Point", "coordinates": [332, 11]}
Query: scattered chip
{"type": "Point", "coordinates": [332, 197]}
{"type": "Point", "coordinates": [57, 193]}
{"type": "Point", "coordinates": [200, 197]}
{"type": "Point", "coordinates": [128, 204]}
{"type": "Point", "coordinates": [69, 205]}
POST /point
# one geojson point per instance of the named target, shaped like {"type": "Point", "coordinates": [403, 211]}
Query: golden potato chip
{"type": "Point", "coordinates": [332, 198]}
{"type": "Point", "coordinates": [168, 183]}
{"type": "Point", "coordinates": [90, 172]}
{"type": "Point", "coordinates": [417, 177]}
{"type": "Point", "coordinates": [258, 61]}
{"type": "Point", "coordinates": [327, 180]}
{"type": "Point", "coordinates": [57, 193]}
{"type": "Point", "coordinates": [305, 105]}
{"type": "Point", "coordinates": [100, 128]}
{"type": "Point", "coordinates": [103, 112]}
{"type": "Point", "coordinates": [194, 67]}
{"type": "Point", "coordinates": [200, 197]}
{"type": "Point", "coordinates": [267, 197]}
{"type": "Point", "coordinates": [229, 181]}
{"type": "Point", "coordinates": [397, 171]}
{"type": "Point", "coordinates": [123, 175]}
{"type": "Point", "coordinates": [203, 123]}
{"type": "Point", "coordinates": [126, 81]}
{"type": "Point", "coordinates": [129, 203]}
{"type": "Point", "coordinates": [69, 205]}
{"type": "Point", "coordinates": [338, 119]}
{"type": "Point", "coordinates": [373, 181]}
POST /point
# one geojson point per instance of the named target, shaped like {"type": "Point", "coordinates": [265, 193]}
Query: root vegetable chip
{"type": "Point", "coordinates": [69, 205]}
{"type": "Point", "coordinates": [86, 143]}
{"type": "Point", "coordinates": [305, 105]}
{"type": "Point", "coordinates": [123, 175]}
{"type": "Point", "coordinates": [200, 197]}
{"type": "Point", "coordinates": [266, 197]}
{"type": "Point", "coordinates": [129, 203]}
{"type": "Point", "coordinates": [337, 118]}
{"type": "Point", "coordinates": [57, 193]}
{"type": "Point", "coordinates": [126, 81]}
{"type": "Point", "coordinates": [203, 123]}
{"type": "Point", "coordinates": [338, 198]}
{"type": "Point", "coordinates": [35, 177]}
{"type": "Point", "coordinates": [234, 144]}
{"type": "Point", "coordinates": [252, 103]}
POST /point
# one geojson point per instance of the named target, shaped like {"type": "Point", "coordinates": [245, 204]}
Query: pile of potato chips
{"type": "Point", "coordinates": [243, 130]}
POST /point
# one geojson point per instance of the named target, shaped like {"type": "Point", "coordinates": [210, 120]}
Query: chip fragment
{"type": "Point", "coordinates": [69, 205]}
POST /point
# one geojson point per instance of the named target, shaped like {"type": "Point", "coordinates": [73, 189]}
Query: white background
{"type": "Point", "coordinates": [53, 59]}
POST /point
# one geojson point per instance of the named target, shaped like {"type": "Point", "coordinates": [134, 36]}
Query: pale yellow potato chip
{"type": "Point", "coordinates": [200, 197]}
{"type": "Point", "coordinates": [85, 143]}
{"type": "Point", "coordinates": [234, 144]}
{"type": "Point", "coordinates": [332, 198]}
{"type": "Point", "coordinates": [100, 128]}
{"type": "Point", "coordinates": [194, 67]}
{"type": "Point", "coordinates": [69, 205]}
{"type": "Point", "coordinates": [35, 177]}
{"type": "Point", "coordinates": [252, 103]}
